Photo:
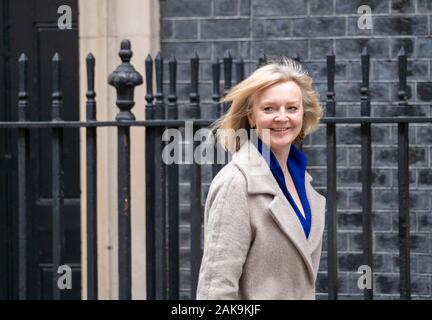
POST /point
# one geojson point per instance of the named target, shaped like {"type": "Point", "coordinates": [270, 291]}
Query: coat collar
{"type": "Point", "coordinates": [260, 180]}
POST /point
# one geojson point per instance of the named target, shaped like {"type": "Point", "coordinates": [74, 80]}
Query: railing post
{"type": "Point", "coordinates": [216, 105]}
{"type": "Point", "coordinates": [403, 178]}
{"type": "Point", "coordinates": [150, 184]}
{"type": "Point", "coordinates": [57, 175]}
{"type": "Point", "coordinates": [195, 191]}
{"type": "Point", "coordinates": [160, 188]}
{"type": "Point", "coordinates": [239, 63]}
{"type": "Point", "coordinates": [23, 186]}
{"type": "Point", "coordinates": [173, 195]}
{"type": "Point", "coordinates": [366, 164]}
{"type": "Point", "coordinates": [227, 68]}
{"type": "Point", "coordinates": [125, 78]}
{"type": "Point", "coordinates": [217, 112]}
{"type": "Point", "coordinates": [331, 182]}
{"type": "Point", "coordinates": [227, 64]}
{"type": "Point", "coordinates": [92, 234]}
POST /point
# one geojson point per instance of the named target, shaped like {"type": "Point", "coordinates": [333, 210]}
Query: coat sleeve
{"type": "Point", "coordinates": [227, 238]}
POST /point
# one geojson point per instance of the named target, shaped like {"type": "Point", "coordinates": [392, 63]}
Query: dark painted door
{"type": "Point", "coordinates": [30, 26]}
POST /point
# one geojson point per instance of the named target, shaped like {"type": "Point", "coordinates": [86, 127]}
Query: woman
{"type": "Point", "coordinates": [263, 228]}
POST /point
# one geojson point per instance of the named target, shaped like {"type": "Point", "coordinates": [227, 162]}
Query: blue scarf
{"type": "Point", "coordinates": [297, 162]}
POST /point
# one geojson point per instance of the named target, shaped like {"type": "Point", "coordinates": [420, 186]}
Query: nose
{"type": "Point", "coordinates": [282, 115]}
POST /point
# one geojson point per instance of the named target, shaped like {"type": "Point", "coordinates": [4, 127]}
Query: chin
{"type": "Point", "coordinates": [281, 143]}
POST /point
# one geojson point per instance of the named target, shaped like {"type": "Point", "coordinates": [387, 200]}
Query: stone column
{"type": "Point", "coordinates": [102, 26]}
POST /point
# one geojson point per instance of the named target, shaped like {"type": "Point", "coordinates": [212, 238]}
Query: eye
{"type": "Point", "coordinates": [291, 108]}
{"type": "Point", "coordinates": [268, 108]}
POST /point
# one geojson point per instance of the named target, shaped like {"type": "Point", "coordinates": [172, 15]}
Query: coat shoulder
{"type": "Point", "coordinates": [229, 177]}
{"type": "Point", "coordinates": [230, 174]}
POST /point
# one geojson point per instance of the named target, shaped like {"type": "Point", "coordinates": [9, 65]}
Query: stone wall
{"type": "Point", "coordinates": [312, 29]}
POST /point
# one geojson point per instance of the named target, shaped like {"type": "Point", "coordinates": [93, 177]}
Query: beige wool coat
{"type": "Point", "coordinates": [254, 243]}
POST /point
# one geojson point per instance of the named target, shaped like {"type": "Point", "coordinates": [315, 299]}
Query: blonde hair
{"type": "Point", "coordinates": [240, 98]}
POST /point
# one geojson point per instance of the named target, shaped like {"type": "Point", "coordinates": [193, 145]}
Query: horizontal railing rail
{"type": "Point", "coordinates": [162, 181]}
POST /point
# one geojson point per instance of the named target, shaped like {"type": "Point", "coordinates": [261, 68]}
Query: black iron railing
{"type": "Point", "coordinates": [162, 181]}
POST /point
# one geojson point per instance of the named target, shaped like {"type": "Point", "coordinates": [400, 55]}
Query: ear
{"type": "Point", "coordinates": [251, 118]}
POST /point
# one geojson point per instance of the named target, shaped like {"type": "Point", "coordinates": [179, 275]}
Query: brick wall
{"type": "Point", "coordinates": [312, 29]}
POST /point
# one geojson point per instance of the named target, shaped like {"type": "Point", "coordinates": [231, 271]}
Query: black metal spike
{"type": "Point", "coordinates": [91, 103]}
{"type": "Point", "coordinates": [149, 87]}
{"type": "Point", "coordinates": [239, 69]}
{"type": "Point", "coordinates": [296, 57]}
{"type": "Point", "coordinates": [227, 62]}
{"type": "Point", "coordinates": [56, 110]}
{"type": "Point", "coordinates": [172, 96]}
{"type": "Point", "coordinates": [90, 73]}
{"type": "Point", "coordinates": [160, 107]}
{"type": "Point", "coordinates": [262, 59]}
{"type": "Point", "coordinates": [23, 87]}
{"type": "Point", "coordinates": [194, 61]}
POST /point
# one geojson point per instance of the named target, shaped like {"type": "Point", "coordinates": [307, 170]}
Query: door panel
{"type": "Point", "coordinates": [33, 29]}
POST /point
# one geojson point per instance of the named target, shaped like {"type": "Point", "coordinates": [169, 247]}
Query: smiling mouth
{"type": "Point", "coordinates": [280, 129]}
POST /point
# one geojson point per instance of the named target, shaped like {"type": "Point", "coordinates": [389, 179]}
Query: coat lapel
{"type": "Point", "coordinates": [288, 222]}
{"type": "Point", "coordinates": [317, 204]}
{"type": "Point", "coordinates": [260, 180]}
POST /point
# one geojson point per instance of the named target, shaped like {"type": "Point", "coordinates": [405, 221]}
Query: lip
{"type": "Point", "coordinates": [279, 129]}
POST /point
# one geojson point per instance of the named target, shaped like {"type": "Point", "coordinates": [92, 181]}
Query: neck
{"type": "Point", "coordinates": [282, 157]}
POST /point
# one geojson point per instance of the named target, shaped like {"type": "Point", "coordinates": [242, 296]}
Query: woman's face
{"type": "Point", "coordinates": [279, 109]}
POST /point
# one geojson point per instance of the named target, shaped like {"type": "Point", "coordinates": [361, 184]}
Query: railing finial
{"type": "Point", "coordinates": [262, 59]}
{"type": "Point", "coordinates": [125, 51]}
{"type": "Point", "coordinates": [125, 78]}
{"type": "Point", "coordinates": [296, 56]}
{"type": "Point", "coordinates": [23, 94]}
{"type": "Point", "coordinates": [56, 95]}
